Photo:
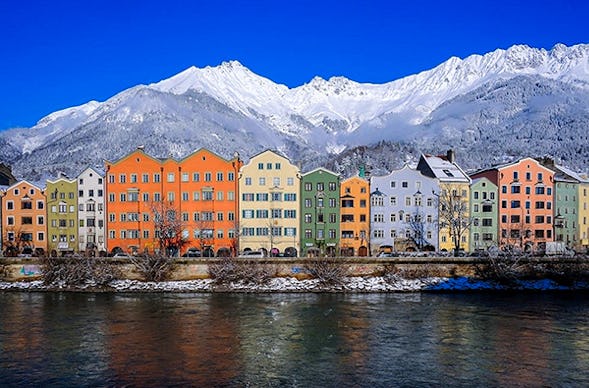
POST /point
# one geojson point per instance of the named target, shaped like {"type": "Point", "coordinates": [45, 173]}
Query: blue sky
{"type": "Point", "coordinates": [57, 54]}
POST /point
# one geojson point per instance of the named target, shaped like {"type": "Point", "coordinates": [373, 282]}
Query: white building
{"type": "Point", "coordinates": [91, 211]}
{"type": "Point", "coordinates": [403, 211]}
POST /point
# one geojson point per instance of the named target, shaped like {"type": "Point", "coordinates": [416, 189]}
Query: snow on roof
{"type": "Point", "coordinates": [572, 174]}
{"type": "Point", "coordinates": [445, 170]}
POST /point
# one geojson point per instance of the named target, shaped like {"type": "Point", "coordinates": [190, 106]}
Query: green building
{"type": "Point", "coordinates": [484, 230]}
{"type": "Point", "coordinates": [566, 204]}
{"type": "Point", "coordinates": [62, 216]}
{"type": "Point", "coordinates": [320, 212]}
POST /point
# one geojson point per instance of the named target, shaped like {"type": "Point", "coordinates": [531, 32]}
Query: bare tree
{"type": "Point", "coordinates": [15, 245]}
{"type": "Point", "coordinates": [206, 231]}
{"type": "Point", "coordinates": [453, 214]}
{"type": "Point", "coordinates": [515, 240]}
{"type": "Point", "coordinates": [170, 230]}
{"type": "Point", "coordinates": [416, 224]}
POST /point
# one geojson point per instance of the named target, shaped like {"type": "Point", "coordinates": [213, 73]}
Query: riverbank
{"type": "Point", "coordinates": [376, 284]}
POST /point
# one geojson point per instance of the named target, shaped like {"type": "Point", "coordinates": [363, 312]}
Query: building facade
{"type": "Point", "coordinates": [403, 211]}
{"type": "Point", "coordinates": [269, 187]}
{"type": "Point", "coordinates": [526, 201]}
{"type": "Point", "coordinates": [24, 219]}
{"type": "Point", "coordinates": [152, 202]}
{"type": "Point", "coordinates": [62, 216]}
{"type": "Point", "coordinates": [484, 229]}
{"type": "Point", "coordinates": [355, 217]}
{"type": "Point", "coordinates": [320, 193]}
{"type": "Point", "coordinates": [91, 225]}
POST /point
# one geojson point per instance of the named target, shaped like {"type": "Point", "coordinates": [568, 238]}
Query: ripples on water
{"type": "Point", "coordinates": [68, 339]}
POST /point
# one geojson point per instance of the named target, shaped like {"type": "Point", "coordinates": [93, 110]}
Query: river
{"type": "Point", "coordinates": [300, 340]}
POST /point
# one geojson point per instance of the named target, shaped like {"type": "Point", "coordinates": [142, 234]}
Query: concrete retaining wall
{"type": "Point", "coordinates": [19, 269]}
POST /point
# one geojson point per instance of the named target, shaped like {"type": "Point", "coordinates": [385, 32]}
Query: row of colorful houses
{"type": "Point", "coordinates": [226, 206]}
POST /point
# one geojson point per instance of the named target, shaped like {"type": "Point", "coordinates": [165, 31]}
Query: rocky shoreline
{"type": "Point", "coordinates": [293, 285]}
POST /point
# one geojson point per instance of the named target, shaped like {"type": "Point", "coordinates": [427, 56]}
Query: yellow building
{"type": "Point", "coordinates": [355, 217]}
{"type": "Point", "coordinates": [269, 187]}
{"type": "Point", "coordinates": [454, 199]}
{"type": "Point", "coordinates": [62, 216]}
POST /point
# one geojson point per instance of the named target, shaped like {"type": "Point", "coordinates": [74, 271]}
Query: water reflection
{"type": "Point", "coordinates": [293, 340]}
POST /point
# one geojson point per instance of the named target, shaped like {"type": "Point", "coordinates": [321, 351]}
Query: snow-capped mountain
{"type": "Point", "coordinates": [481, 101]}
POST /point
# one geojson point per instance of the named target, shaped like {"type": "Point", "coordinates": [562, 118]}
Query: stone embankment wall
{"type": "Point", "coordinates": [22, 269]}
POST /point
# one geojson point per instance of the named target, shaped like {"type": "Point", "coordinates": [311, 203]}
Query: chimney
{"type": "Point", "coordinates": [451, 156]}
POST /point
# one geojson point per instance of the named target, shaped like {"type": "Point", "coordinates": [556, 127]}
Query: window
{"type": "Point", "coordinates": [196, 177]}
{"type": "Point", "coordinates": [276, 182]}
{"type": "Point", "coordinates": [261, 213]}
{"type": "Point", "coordinates": [262, 181]}
{"type": "Point", "coordinates": [515, 175]}
{"type": "Point", "coordinates": [540, 176]}
{"type": "Point", "coordinates": [487, 222]}
{"type": "Point", "coordinates": [248, 181]}
{"type": "Point", "coordinates": [207, 195]}
{"type": "Point", "coordinates": [515, 189]}
{"type": "Point", "coordinates": [404, 184]}
{"type": "Point", "coordinates": [156, 178]}
{"type": "Point", "coordinates": [171, 177]}
{"type": "Point", "coordinates": [230, 176]}
{"type": "Point", "coordinates": [268, 166]}
{"type": "Point", "coordinates": [515, 204]}
{"type": "Point", "coordinates": [260, 166]}
{"type": "Point", "coordinates": [122, 178]}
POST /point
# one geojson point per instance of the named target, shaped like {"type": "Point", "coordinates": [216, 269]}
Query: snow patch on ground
{"type": "Point", "coordinates": [352, 284]}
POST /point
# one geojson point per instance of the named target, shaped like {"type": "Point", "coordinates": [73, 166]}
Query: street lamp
{"type": "Point", "coordinates": [558, 222]}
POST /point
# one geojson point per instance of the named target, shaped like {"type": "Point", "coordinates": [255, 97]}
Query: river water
{"type": "Point", "coordinates": [304, 340]}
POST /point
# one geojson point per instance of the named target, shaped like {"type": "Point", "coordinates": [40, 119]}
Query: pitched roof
{"type": "Point", "coordinates": [441, 168]}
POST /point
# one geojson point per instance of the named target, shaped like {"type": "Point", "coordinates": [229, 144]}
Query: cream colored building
{"type": "Point", "coordinates": [269, 210]}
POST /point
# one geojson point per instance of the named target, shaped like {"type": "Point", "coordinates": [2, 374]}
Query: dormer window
{"type": "Point", "coordinates": [448, 173]}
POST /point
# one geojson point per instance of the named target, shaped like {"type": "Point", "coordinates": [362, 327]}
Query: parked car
{"type": "Point", "coordinates": [121, 255]}
{"type": "Point", "coordinates": [192, 252]}
{"type": "Point", "coordinates": [252, 254]}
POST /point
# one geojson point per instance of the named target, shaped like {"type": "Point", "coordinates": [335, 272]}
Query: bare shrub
{"type": "Point", "coordinates": [504, 269]}
{"type": "Point", "coordinates": [328, 271]}
{"type": "Point", "coordinates": [76, 271]}
{"type": "Point", "coordinates": [153, 268]}
{"type": "Point", "coordinates": [230, 269]}
{"type": "Point", "coordinates": [3, 272]}
{"type": "Point", "coordinates": [566, 274]}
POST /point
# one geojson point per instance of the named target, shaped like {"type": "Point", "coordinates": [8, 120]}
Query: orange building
{"type": "Point", "coordinates": [199, 192]}
{"type": "Point", "coordinates": [526, 199]}
{"type": "Point", "coordinates": [355, 217]}
{"type": "Point", "coordinates": [24, 227]}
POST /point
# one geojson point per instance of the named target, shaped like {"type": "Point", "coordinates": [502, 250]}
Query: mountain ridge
{"type": "Point", "coordinates": [311, 121]}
